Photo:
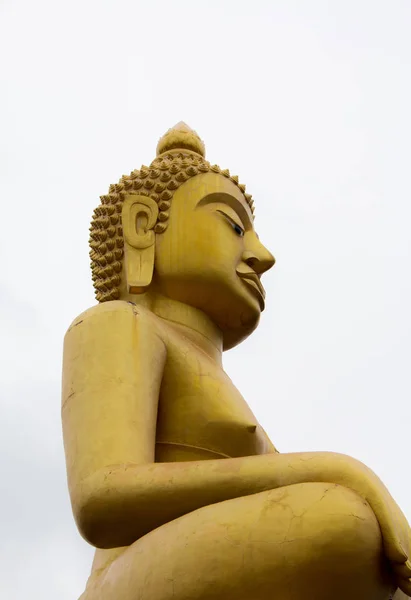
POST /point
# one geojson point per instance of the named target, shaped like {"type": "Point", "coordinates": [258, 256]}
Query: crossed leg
{"type": "Point", "coordinates": [311, 541]}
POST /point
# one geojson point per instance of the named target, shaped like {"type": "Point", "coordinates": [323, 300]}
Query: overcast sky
{"type": "Point", "coordinates": [309, 102]}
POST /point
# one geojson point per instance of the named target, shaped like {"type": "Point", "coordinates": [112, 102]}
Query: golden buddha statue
{"type": "Point", "coordinates": [171, 477]}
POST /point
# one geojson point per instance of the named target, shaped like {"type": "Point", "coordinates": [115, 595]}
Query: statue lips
{"type": "Point", "coordinates": [253, 282]}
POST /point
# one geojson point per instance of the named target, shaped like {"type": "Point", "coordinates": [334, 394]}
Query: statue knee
{"type": "Point", "coordinates": [349, 534]}
{"type": "Point", "coordinates": [348, 517]}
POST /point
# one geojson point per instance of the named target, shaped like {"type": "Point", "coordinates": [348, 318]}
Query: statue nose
{"type": "Point", "coordinates": [259, 260]}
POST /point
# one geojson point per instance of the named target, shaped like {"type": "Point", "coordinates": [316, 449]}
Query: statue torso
{"type": "Point", "coordinates": [201, 414]}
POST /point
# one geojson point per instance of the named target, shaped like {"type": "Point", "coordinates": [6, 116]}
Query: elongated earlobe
{"type": "Point", "coordinates": [139, 216]}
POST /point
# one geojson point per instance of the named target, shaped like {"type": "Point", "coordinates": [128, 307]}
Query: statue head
{"type": "Point", "coordinates": [184, 229]}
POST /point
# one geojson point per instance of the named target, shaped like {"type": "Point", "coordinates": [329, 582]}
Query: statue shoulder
{"type": "Point", "coordinates": [102, 344]}
{"type": "Point", "coordinates": [110, 312]}
{"type": "Point", "coordinates": [111, 318]}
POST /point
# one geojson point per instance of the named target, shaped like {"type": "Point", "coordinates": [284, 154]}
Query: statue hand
{"type": "Point", "coordinates": [395, 530]}
{"type": "Point", "coordinates": [402, 570]}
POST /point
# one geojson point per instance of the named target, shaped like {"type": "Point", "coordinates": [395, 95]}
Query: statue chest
{"type": "Point", "coordinates": [201, 414]}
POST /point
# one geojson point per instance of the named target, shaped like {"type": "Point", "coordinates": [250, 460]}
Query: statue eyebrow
{"type": "Point", "coordinates": [246, 222]}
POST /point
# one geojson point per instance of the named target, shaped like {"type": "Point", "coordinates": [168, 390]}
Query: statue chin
{"type": "Point", "coordinates": [236, 320]}
{"type": "Point", "coordinates": [237, 330]}
{"type": "Point", "coordinates": [235, 311]}
{"type": "Point", "coordinates": [233, 337]}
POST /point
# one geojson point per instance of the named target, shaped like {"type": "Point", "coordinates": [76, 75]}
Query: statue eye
{"type": "Point", "coordinates": [239, 231]}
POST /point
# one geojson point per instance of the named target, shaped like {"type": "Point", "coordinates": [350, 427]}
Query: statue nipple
{"type": "Point", "coordinates": [181, 137]}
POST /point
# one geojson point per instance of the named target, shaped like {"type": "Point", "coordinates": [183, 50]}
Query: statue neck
{"type": "Point", "coordinates": [190, 322]}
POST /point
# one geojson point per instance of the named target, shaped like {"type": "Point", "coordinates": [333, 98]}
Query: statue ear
{"type": "Point", "coordinates": [139, 216]}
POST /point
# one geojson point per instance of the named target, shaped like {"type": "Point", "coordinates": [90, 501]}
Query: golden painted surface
{"type": "Point", "coordinates": [171, 477]}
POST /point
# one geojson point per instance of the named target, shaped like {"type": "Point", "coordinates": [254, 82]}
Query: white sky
{"type": "Point", "coordinates": [309, 102]}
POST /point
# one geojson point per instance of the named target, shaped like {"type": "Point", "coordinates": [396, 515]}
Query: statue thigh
{"type": "Point", "coordinates": [311, 541]}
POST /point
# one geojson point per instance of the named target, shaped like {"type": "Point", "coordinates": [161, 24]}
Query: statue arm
{"type": "Point", "coordinates": [124, 502]}
{"type": "Point", "coordinates": [112, 370]}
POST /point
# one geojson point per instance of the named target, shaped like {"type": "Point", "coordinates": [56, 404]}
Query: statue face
{"type": "Point", "coordinates": [210, 256]}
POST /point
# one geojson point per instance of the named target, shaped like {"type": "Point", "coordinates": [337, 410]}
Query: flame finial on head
{"type": "Point", "coordinates": [181, 137]}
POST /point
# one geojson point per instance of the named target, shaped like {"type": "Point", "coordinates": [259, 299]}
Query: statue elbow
{"type": "Point", "coordinates": [92, 523]}
{"type": "Point", "coordinates": [105, 517]}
